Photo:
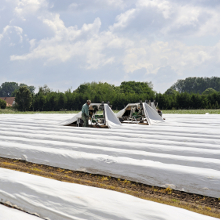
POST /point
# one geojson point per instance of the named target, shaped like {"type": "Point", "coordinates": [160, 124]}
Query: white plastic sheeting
{"type": "Point", "coordinates": [153, 106]}
{"type": "Point", "coordinates": [56, 200]}
{"type": "Point", "coordinates": [151, 114]}
{"type": "Point", "coordinates": [183, 153]}
{"type": "Point", "coordinates": [71, 120]}
{"type": "Point", "coordinates": [7, 213]}
{"type": "Point", "coordinates": [110, 117]}
{"type": "Point", "coordinates": [121, 112]}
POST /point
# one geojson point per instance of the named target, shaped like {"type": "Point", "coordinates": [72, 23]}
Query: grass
{"type": "Point", "coordinates": [192, 111]}
{"type": "Point", "coordinates": [179, 111]}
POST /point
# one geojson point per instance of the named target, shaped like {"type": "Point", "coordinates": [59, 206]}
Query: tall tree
{"type": "Point", "coordinates": [7, 88]}
{"type": "Point", "coordinates": [23, 98]}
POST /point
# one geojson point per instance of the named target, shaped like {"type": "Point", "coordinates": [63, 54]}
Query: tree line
{"type": "Point", "coordinates": [119, 96]}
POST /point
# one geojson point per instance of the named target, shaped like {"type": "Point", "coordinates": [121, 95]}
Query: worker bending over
{"type": "Point", "coordinates": [85, 113]}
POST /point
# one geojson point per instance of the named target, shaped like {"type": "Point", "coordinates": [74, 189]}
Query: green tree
{"type": "Point", "coordinates": [41, 101]}
{"type": "Point", "coordinates": [23, 98]}
{"type": "Point", "coordinates": [137, 87]}
{"type": "Point", "coordinates": [3, 104]}
{"type": "Point", "coordinates": [61, 101]}
{"type": "Point", "coordinates": [44, 89]}
{"type": "Point", "coordinates": [7, 88]}
{"type": "Point", "coordinates": [30, 88]}
{"type": "Point", "coordinates": [196, 84]}
{"type": "Point", "coordinates": [209, 91]}
{"type": "Point", "coordinates": [171, 91]}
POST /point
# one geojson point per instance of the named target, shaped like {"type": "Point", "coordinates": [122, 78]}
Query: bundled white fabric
{"type": "Point", "coordinates": [58, 200]}
{"type": "Point", "coordinates": [110, 117]}
{"type": "Point", "coordinates": [71, 120]}
{"type": "Point", "coordinates": [151, 115]}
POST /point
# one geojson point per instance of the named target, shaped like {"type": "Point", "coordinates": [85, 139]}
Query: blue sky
{"type": "Point", "coordinates": [66, 43]}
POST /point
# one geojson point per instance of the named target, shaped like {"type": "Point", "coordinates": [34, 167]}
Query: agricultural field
{"type": "Point", "coordinates": [179, 155]}
{"type": "Point", "coordinates": [183, 111]}
{"type": "Point", "coordinates": [192, 111]}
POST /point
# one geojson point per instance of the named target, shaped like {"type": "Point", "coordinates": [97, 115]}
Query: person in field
{"type": "Point", "coordinates": [85, 113]}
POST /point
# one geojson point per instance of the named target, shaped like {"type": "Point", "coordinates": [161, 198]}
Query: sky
{"type": "Point", "coordinates": [66, 43]}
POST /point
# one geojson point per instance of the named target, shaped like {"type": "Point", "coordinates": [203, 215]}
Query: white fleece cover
{"type": "Point", "coordinates": [153, 106]}
{"type": "Point", "coordinates": [7, 213]}
{"type": "Point", "coordinates": [110, 117]}
{"type": "Point", "coordinates": [58, 200]}
{"type": "Point", "coordinates": [122, 111]}
{"type": "Point", "coordinates": [151, 114]}
{"type": "Point", "coordinates": [71, 120]}
{"type": "Point", "coordinates": [182, 153]}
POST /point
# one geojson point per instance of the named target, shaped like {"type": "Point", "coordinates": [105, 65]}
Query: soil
{"type": "Point", "coordinates": [193, 202]}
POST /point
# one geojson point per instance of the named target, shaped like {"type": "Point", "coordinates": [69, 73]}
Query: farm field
{"type": "Point", "coordinates": [58, 200]}
{"type": "Point", "coordinates": [183, 111]}
{"type": "Point", "coordinates": [182, 153]}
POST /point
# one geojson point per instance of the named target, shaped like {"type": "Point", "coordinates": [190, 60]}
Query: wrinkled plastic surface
{"type": "Point", "coordinates": [151, 114]}
{"type": "Point", "coordinates": [110, 117]}
{"type": "Point", "coordinates": [183, 152]}
{"type": "Point", "coordinates": [58, 200]}
{"type": "Point", "coordinates": [7, 213]}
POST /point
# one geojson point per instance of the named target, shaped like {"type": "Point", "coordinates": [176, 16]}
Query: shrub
{"type": "Point", "coordinates": [2, 104]}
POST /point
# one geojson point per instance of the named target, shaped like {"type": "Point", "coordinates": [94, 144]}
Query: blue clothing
{"type": "Point", "coordinates": [85, 110]}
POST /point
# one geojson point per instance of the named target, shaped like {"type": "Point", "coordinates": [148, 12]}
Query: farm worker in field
{"type": "Point", "coordinates": [85, 113]}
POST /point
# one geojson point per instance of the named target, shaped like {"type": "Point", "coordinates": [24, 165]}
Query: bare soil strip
{"type": "Point", "coordinates": [193, 202]}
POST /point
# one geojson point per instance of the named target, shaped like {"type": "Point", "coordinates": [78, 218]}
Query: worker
{"type": "Point", "coordinates": [85, 113]}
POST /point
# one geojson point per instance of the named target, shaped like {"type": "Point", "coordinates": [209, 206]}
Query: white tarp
{"type": "Point", "coordinates": [110, 117]}
{"type": "Point", "coordinates": [56, 200]}
{"type": "Point", "coordinates": [7, 213]}
{"type": "Point", "coordinates": [151, 114]}
{"type": "Point", "coordinates": [71, 120]}
{"type": "Point", "coordinates": [121, 112]}
{"type": "Point", "coordinates": [183, 153]}
{"type": "Point", "coordinates": [153, 106]}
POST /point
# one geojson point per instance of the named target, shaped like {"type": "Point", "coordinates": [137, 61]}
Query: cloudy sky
{"type": "Point", "coordinates": [66, 43]}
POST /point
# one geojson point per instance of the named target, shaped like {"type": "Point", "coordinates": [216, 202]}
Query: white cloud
{"type": "Point", "coordinates": [169, 19]}
{"type": "Point", "coordinates": [29, 7]}
{"type": "Point", "coordinates": [97, 5]}
{"type": "Point", "coordinates": [177, 55]}
{"type": "Point", "coordinates": [124, 19]}
{"type": "Point", "coordinates": [9, 31]}
{"type": "Point", "coordinates": [63, 45]}
{"type": "Point", "coordinates": [164, 7]}
{"type": "Point", "coordinates": [139, 37]}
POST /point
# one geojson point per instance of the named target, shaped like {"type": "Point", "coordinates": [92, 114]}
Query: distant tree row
{"type": "Point", "coordinates": [8, 89]}
{"type": "Point", "coordinates": [196, 84]}
{"type": "Point", "coordinates": [119, 96]}
{"type": "Point", "coordinates": [189, 101]}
